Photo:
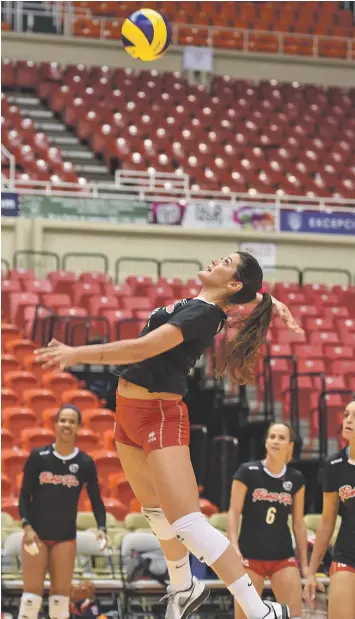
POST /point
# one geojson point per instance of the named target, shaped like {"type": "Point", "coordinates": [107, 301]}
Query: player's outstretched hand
{"type": "Point", "coordinates": [281, 310]}
{"type": "Point", "coordinates": [310, 590]}
{"type": "Point", "coordinates": [56, 355]}
{"type": "Point", "coordinates": [102, 539]}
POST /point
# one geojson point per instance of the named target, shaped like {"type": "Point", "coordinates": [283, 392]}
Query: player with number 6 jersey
{"type": "Point", "coordinates": [265, 493]}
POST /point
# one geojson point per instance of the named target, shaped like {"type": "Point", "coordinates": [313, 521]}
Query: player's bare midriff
{"type": "Point", "coordinates": [135, 392]}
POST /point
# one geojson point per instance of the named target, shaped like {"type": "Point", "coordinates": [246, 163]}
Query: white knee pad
{"type": "Point", "coordinates": [30, 606]}
{"type": "Point", "coordinates": [58, 607]}
{"type": "Point", "coordinates": [200, 538]}
{"type": "Point", "coordinates": [158, 523]}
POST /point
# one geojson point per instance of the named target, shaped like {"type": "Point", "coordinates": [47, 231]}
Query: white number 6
{"type": "Point", "coordinates": [270, 515]}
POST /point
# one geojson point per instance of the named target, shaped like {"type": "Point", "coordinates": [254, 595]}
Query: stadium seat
{"type": "Point", "coordinates": [33, 438]}
{"type": "Point", "coordinates": [6, 486]}
{"type": "Point", "coordinates": [7, 439]}
{"type": "Point", "coordinates": [8, 398]}
{"type": "Point", "coordinates": [39, 399]}
{"type": "Point", "coordinates": [20, 349]}
{"type": "Point", "coordinates": [19, 381]}
{"type": "Point", "coordinates": [87, 440]}
{"type": "Point", "coordinates": [8, 334]}
{"type": "Point", "coordinates": [58, 382]}
{"type": "Point", "coordinates": [106, 462]}
{"type": "Point", "coordinates": [17, 418]}
{"type": "Point", "coordinates": [120, 489]}
{"type": "Point", "coordinates": [9, 505]}
{"type": "Point", "coordinates": [109, 440]}
{"type": "Point", "coordinates": [99, 420]}
{"type": "Point", "coordinates": [80, 398]}
{"type": "Point", "coordinates": [8, 364]}
{"type": "Point", "coordinates": [13, 461]}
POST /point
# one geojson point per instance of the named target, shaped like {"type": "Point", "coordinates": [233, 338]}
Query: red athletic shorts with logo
{"type": "Point", "coordinates": [268, 568]}
{"type": "Point", "coordinates": [336, 566]}
{"type": "Point", "coordinates": [151, 424]}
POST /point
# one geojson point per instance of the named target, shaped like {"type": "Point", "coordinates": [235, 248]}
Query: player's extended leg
{"type": "Point", "coordinates": [287, 587]}
{"type": "Point", "coordinates": [258, 582]}
{"type": "Point", "coordinates": [176, 487]}
{"type": "Point", "coordinates": [61, 568]}
{"type": "Point", "coordinates": [342, 596]}
{"type": "Point", "coordinates": [135, 466]}
{"type": "Point", "coordinates": [33, 573]}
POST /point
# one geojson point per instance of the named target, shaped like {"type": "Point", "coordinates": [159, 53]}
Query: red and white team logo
{"type": "Point", "coordinates": [261, 494]}
{"type": "Point", "coordinates": [346, 493]}
{"type": "Point", "coordinates": [170, 308]}
{"type": "Point", "coordinates": [58, 480]}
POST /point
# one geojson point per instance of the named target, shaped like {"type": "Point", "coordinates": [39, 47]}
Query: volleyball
{"type": "Point", "coordinates": [146, 35]}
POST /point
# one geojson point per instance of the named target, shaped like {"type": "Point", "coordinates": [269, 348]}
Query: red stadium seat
{"type": "Point", "coordinates": [8, 364]}
{"type": "Point", "coordinates": [9, 333]}
{"type": "Point", "coordinates": [7, 439]}
{"type": "Point", "coordinates": [13, 461]}
{"type": "Point", "coordinates": [17, 418]}
{"type": "Point", "coordinates": [120, 489]}
{"type": "Point", "coordinates": [8, 398]}
{"type": "Point", "coordinates": [39, 399]}
{"type": "Point", "coordinates": [107, 462]}
{"type": "Point", "coordinates": [58, 382]}
{"type": "Point", "coordinates": [6, 487]}
{"type": "Point", "coordinates": [19, 381]}
{"type": "Point", "coordinates": [87, 440]}
{"type": "Point", "coordinates": [20, 349]}
{"type": "Point", "coordinates": [9, 505]}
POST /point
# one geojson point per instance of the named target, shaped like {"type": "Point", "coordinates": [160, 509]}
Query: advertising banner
{"type": "Point", "coordinates": [265, 253]}
{"type": "Point", "coordinates": [9, 204]}
{"type": "Point", "coordinates": [114, 210]}
{"type": "Point", "coordinates": [337, 222]}
{"type": "Point", "coordinates": [226, 215]}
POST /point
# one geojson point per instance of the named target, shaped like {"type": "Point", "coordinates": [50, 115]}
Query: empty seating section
{"type": "Point", "coordinates": [239, 136]}
{"type": "Point", "coordinates": [104, 20]}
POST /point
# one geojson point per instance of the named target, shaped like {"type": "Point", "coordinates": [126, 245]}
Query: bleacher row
{"type": "Point", "coordinates": [238, 136]}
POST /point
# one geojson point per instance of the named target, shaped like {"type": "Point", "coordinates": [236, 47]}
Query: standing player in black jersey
{"type": "Point", "coordinates": [152, 424]}
{"type": "Point", "coordinates": [338, 496]}
{"type": "Point", "coordinates": [53, 478]}
{"type": "Point", "coordinates": [266, 492]}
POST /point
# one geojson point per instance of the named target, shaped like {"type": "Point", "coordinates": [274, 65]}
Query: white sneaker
{"type": "Point", "coordinates": [276, 611]}
{"type": "Point", "coordinates": [182, 603]}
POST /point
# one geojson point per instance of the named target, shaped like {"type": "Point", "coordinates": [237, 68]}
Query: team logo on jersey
{"type": "Point", "coordinates": [44, 453]}
{"type": "Point", "coordinates": [287, 485]}
{"type": "Point", "coordinates": [261, 494]}
{"type": "Point", "coordinates": [336, 461]}
{"type": "Point", "coordinates": [46, 477]}
{"type": "Point", "coordinates": [346, 493]}
{"type": "Point", "coordinates": [170, 308]}
{"type": "Point", "coordinates": [73, 468]}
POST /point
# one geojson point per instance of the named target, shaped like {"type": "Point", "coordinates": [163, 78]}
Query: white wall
{"type": "Point", "coordinates": [162, 242]}
{"type": "Point", "coordinates": [253, 65]}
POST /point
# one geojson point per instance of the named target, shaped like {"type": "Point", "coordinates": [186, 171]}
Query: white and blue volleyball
{"type": "Point", "coordinates": [146, 35]}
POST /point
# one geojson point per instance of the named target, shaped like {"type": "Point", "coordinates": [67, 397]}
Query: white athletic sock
{"type": "Point", "coordinates": [180, 574]}
{"type": "Point", "coordinates": [248, 599]}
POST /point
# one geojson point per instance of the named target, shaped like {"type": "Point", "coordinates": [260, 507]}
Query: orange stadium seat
{"type": "Point", "coordinates": [8, 364]}
{"type": "Point", "coordinates": [100, 420]}
{"type": "Point", "coordinates": [48, 417]}
{"type": "Point", "coordinates": [106, 462]}
{"type": "Point", "coordinates": [58, 382]}
{"type": "Point", "coordinates": [109, 440]}
{"type": "Point", "coordinates": [13, 461]}
{"type": "Point", "coordinates": [39, 399]}
{"type": "Point", "coordinates": [7, 439]}
{"type": "Point", "coordinates": [87, 440]}
{"type": "Point", "coordinates": [8, 334]}
{"type": "Point", "coordinates": [8, 398]}
{"type": "Point", "coordinates": [9, 505]}
{"type": "Point", "coordinates": [20, 349]}
{"type": "Point", "coordinates": [17, 418]}
{"type": "Point", "coordinates": [6, 486]}
{"type": "Point", "coordinates": [32, 438]}
{"type": "Point", "coordinates": [19, 381]}
{"type": "Point", "coordinates": [80, 398]}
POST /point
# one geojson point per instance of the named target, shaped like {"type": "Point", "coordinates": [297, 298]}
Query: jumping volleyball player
{"type": "Point", "coordinates": [53, 478]}
{"type": "Point", "coordinates": [338, 495]}
{"type": "Point", "coordinates": [152, 424]}
{"type": "Point", "coordinates": [266, 492]}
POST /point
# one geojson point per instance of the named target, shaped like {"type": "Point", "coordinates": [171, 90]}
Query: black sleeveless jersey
{"type": "Point", "coordinates": [339, 477]}
{"type": "Point", "coordinates": [199, 322]}
{"type": "Point", "coordinates": [50, 492]}
{"type": "Point", "coordinates": [264, 533]}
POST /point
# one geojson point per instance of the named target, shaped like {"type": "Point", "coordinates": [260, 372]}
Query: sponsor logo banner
{"type": "Point", "coordinates": [241, 216]}
{"type": "Point", "coordinates": [337, 222]}
{"type": "Point", "coordinates": [9, 204]}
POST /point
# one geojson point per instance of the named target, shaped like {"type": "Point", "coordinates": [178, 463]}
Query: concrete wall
{"type": "Point", "coordinates": [253, 65]}
{"type": "Point", "coordinates": [162, 242]}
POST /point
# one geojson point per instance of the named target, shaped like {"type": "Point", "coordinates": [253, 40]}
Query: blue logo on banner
{"type": "Point", "coordinates": [337, 222]}
{"type": "Point", "coordinates": [9, 204]}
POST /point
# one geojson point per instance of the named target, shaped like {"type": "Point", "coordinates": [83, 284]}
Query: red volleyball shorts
{"type": "Point", "coordinates": [50, 542]}
{"type": "Point", "coordinates": [268, 568]}
{"type": "Point", "coordinates": [336, 566]}
{"type": "Point", "coordinates": [151, 424]}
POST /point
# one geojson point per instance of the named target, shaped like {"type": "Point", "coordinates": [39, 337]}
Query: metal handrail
{"type": "Point", "coordinates": [142, 192]}
{"type": "Point", "coordinates": [12, 165]}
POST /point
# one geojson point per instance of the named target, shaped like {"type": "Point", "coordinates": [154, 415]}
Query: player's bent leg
{"type": "Point", "coordinates": [179, 501]}
{"type": "Point", "coordinates": [341, 601]}
{"type": "Point", "coordinates": [61, 569]}
{"type": "Point", "coordinates": [34, 569]}
{"type": "Point", "coordinates": [258, 582]}
{"type": "Point", "coordinates": [287, 587]}
{"type": "Point", "coordinates": [185, 594]}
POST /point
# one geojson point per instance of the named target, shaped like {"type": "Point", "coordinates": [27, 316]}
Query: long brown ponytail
{"type": "Point", "coordinates": [238, 356]}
